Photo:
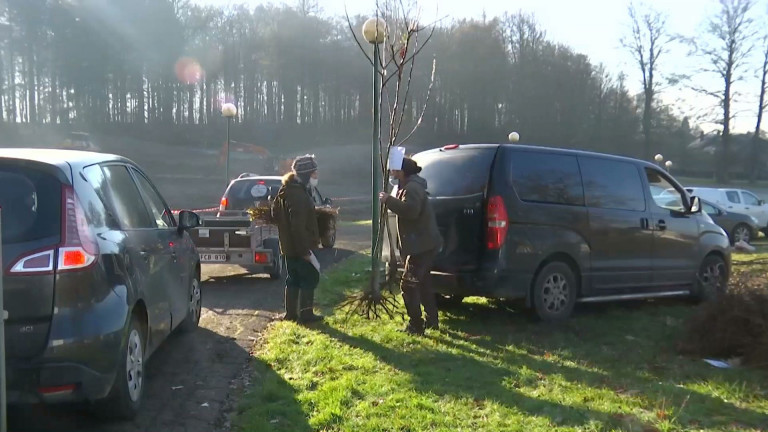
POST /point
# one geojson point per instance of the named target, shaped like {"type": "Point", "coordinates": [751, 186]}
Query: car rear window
{"type": "Point", "coordinates": [252, 188]}
{"type": "Point", "coordinates": [31, 204]}
{"type": "Point", "coordinates": [458, 172]}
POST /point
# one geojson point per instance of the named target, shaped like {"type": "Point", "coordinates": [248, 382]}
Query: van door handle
{"type": "Point", "coordinates": [661, 225]}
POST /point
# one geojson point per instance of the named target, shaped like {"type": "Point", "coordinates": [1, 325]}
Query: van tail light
{"type": "Point", "coordinates": [78, 248]}
{"type": "Point", "coordinates": [497, 223]}
{"type": "Point", "coordinates": [224, 203]}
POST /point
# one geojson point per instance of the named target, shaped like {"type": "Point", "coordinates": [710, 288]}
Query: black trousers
{"type": "Point", "coordinates": [302, 275]}
{"type": "Point", "coordinates": [417, 289]}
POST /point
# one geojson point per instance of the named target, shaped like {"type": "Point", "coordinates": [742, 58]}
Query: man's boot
{"type": "Point", "coordinates": [306, 303]}
{"type": "Point", "coordinates": [291, 304]}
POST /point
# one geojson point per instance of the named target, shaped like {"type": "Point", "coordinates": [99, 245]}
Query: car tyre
{"type": "Point", "coordinates": [449, 301]}
{"type": "Point", "coordinates": [278, 267]}
{"type": "Point", "coordinates": [329, 239]}
{"type": "Point", "coordinates": [741, 232]}
{"type": "Point", "coordinates": [194, 306]}
{"type": "Point", "coordinates": [554, 292]}
{"type": "Point", "coordinates": [712, 279]}
{"type": "Point", "coordinates": [124, 399]}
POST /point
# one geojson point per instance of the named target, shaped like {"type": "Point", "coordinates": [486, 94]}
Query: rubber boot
{"type": "Point", "coordinates": [306, 304]}
{"type": "Point", "coordinates": [291, 304]}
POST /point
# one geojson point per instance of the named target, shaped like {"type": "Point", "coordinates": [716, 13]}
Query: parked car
{"type": "Point", "coordinates": [79, 141]}
{"type": "Point", "coordinates": [555, 227]}
{"type": "Point", "coordinates": [250, 190]}
{"type": "Point", "coordinates": [97, 274]}
{"type": "Point", "coordinates": [736, 200]}
{"type": "Point", "coordinates": [739, 227]}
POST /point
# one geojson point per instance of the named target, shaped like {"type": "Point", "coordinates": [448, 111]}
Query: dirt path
{"type": "Point", "coordinates": [190, 378]}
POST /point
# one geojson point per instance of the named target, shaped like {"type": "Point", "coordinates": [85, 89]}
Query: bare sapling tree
{"type": "Point", "coordinates": [761, 105]}
{"type": "Point", "coordinates": [647, 43]}
{"type": "Point", "coordinates": [727, 47]}
{"type": "Point", "coordinates": [404, 41]}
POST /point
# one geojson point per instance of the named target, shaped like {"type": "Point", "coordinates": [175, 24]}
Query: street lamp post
{"type": "Point", "coordinates": [668, 165]}
{"type": "Point", "coordinates": [228, 110]}
{"type": "Point", "coordinates": [374, 31]}
{"type": "Point", "coordinates": [658, 158]}
{"type": "Point", "coordinates": [3, 400]}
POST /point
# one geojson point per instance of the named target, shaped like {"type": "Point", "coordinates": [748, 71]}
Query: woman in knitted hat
{"type": "Point", "coordinates": [420, 240]}
{"type": "Point", "coordinates": [294, 212]}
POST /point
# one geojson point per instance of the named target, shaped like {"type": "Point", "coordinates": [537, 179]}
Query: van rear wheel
{"type": "Point", "coordinates": [554, 292]}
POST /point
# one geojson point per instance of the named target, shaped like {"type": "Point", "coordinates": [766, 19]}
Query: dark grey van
{"type": "Point", "coordinates": [556, 227]}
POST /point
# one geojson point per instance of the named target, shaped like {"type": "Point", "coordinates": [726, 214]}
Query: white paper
{"type": "Point", "coordinates": [203, 233]}
{"type": "Point", "coordinates": [314, 261]}
{"type": "Point", "coordinates": [396, 156]}
{"type": "Point", "coordinates": [718, 363]}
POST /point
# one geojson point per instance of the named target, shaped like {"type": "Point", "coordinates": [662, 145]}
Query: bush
{"type": "Point", "coordinates": [734, 326]}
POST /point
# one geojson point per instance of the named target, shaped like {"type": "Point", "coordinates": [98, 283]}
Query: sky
{"type": "Point", "coordinates": [595, 28]}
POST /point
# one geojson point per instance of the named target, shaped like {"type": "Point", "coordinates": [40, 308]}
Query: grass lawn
{"type": "Point", "coordinates": [611, 367]}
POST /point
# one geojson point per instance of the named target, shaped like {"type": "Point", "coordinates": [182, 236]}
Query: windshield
{"type": "Point", "coordinates": [252, 189]}
{"type": "Point", "coordinates": [31, 204]}
{"type": "Point", "coordinates": [458, 172]}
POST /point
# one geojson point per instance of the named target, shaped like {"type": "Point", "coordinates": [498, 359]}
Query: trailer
{"type": "Point", "coordinates": [231, 237]}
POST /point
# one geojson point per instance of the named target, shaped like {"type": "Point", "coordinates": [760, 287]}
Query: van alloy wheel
{"type": "Point", "coordinates": [555, 293]}
{"type": "Point", "coordinates": [713, 278]}
{"type": "Point", "coordinates": [134, 365]}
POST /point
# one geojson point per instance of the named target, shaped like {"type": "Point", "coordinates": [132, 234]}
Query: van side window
{"type": "Point", "coordinates": [612, 184]}
{"type": "Point", "coordinates": [546, 178]}
{"type": "Point", "coordinates": [664, 194]}
{"type": "Point", "coordinates": [733, 196]}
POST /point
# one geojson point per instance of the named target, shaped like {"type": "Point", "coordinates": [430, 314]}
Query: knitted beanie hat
{"type": "Point", "coordinates": [304, 164]}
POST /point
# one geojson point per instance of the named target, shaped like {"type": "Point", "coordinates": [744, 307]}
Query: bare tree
{"type": "Point", "coordinates": [731, 37]}
{"type": "Point", "coordinates": [760, 109]}
{"type": "Point", "coordinates": [404, 40]}
{"type": "Point", "coordinates": [647, 43]}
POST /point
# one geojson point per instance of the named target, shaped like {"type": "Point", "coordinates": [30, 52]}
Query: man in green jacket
{"type": "Point", "coordinates": [420, 241]}
{"type": "Point", "coordinates": [294, 213]}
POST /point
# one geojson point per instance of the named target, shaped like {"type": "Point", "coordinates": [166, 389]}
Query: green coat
{"type": "Point", "coordinates": [416, 224]}
{"type": "Point", "coordinates": [294, 213]}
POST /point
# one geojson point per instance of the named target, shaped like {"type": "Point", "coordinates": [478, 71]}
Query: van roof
{"type": "Point", "coordinates": [546, 149]}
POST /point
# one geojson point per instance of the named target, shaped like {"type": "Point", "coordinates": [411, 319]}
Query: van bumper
{"type": "Point", "coordinates": [56, 383]}
{"type": "Point", "coordinates": [492, 285]}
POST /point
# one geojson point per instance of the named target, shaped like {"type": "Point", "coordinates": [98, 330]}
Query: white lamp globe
{"type": "Point", "coordinates": [668, 164]}
{"type": "Point", "coordinates": [375, 30]}
{"type": "Point", "coordinates": [658, 158]}
{"type": "Point", "coordinates": [228, 110]}
{"type": "Point", "coordinates": [514, 137]}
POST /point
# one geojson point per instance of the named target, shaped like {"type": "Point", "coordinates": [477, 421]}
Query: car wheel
{"type": "Point", "coordinates": [277, 268]}
{"type": "Point", "coordinates": [124, 399]}
{"type": "Point", "coordinates": [712, 279]}
{"type": "Point", "coordinates": [554, 292]}
{"type": "Point", "coordinates": [741, 232]}
{"type": "Point", "coordinates": [329, 239]}
{"type": "Point", "coordinates": [194, 306]}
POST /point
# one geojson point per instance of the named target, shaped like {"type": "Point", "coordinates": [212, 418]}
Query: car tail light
{"type": "Point", "coordinates": [260, 258]}
{"type": "Point", "coordinates": [224, 203]}
{"type": "Point", "coordinates": [49, 391]}
{"type": "Point", "coordinates": [78, 248]}
{"type": "Point", "coordinates": [497, 221]}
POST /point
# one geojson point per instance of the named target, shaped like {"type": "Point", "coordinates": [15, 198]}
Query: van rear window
{"type": "Point", "coordinates": [546, 178]}
{"type": "Point", "coordinates": [458, 172]}
{"type": "Point", "coordinates": [31, 204]}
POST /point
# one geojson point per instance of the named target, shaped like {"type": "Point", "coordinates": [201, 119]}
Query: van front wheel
{"type": "Point", "coordinates": [554, 292]}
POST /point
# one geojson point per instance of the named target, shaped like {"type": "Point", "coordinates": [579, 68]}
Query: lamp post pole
{"type": "Point", "coordinates": [374, 31]}
{"type": "Point", "coordinates": [229, 111]}
{"type": "Point", "coordinates": [3, 400]}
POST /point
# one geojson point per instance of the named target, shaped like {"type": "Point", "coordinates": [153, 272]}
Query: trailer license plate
{"type": "Point", "coordinates": [213, 257]}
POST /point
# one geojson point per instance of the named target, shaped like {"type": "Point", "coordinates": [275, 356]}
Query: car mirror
{"type": "Point", "coordinates": [760, 202]}
{"type": "Point", "coordinates": [695, 205]}
{"type": "Point", "coordinates": [188, 220]}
